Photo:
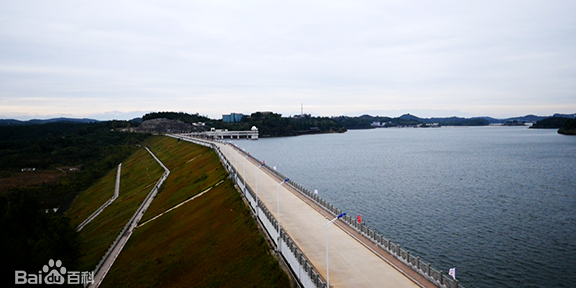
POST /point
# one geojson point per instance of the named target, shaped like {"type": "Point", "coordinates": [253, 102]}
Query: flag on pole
{"type": "Point", "coordinates": [452, 272]}
{"type": "Point", "coordinates": [359, 219]}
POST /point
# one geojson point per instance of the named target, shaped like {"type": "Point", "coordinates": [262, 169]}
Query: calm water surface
{"type": "Point", "coordinates": [497, 203]}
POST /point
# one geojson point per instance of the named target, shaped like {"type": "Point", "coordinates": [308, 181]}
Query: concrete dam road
{"type": "Point", "coordinates": [352, 264]}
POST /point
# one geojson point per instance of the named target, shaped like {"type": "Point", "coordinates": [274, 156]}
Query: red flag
{"type": "Point", "coordinates": [359, 219]}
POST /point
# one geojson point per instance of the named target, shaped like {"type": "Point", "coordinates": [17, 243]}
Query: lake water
{"type": "Point", "coordinates": [497, 203]}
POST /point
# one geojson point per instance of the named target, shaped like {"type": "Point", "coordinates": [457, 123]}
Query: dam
{"type": "Point", "coordinates": [346, 254]}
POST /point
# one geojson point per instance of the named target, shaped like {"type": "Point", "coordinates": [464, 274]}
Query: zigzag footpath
{"type": "Point", "coordinates": [198, 231]}
{"type": "Point", "coordinates": [108, 260]}
{"type": "Point", "coordinates": [97, 212]}
{"type": "Point", "coordinates": [139, 174]}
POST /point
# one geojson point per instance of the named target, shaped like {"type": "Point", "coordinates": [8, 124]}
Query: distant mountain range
{"type": "Point", "coordinates": [14, 122]}
{"type": "Point", "coordinates": [491, 120]}
{"type": "Point", "coordinates": [529, 118]}
{"type": "Point", "coordinates": [409, 117]}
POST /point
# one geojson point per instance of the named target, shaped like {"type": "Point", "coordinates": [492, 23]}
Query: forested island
{"type": "Point", "coordinates": [550, 123]}
{"type": "Point", "coordinates": [566, 126]}
{"type": "Point", "coordinates": [569, 128]}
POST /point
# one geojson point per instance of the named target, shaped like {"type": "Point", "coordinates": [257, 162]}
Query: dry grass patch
{"type": "Point", "coordinates": [28, 179]}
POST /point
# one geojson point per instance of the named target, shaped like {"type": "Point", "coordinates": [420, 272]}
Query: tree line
{"type": "Point", "coordinates": [274, 125]}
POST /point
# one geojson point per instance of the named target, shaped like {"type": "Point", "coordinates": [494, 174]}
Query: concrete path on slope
{"type": "Point", "coordinates": [97, 212]}
{"type": "Point", "coordinates": [179, 205]}
{"type": "Point", "coordinates": [110, 257]}
{"type": "Point", "coordinates": [352, 264]}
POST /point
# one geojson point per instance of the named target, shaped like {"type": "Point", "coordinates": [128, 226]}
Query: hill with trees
{"type": "Point", "coordinates": [569, 128]}
{"type": "Point", "coordinates": [550, 123]}
{"type": "Point", "coordinates": [184, 117]}
{"type": "Point", "coordinates": [274, 125]}
{"type": "Point", "coordinates": [269, 124]}
{"type": "Point", "coordinates": [408, 120]}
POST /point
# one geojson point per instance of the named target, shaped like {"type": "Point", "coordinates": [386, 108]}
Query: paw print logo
{"type": "Point", "coordinates": [56, 275]}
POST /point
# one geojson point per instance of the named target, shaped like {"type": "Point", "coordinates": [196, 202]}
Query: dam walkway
{"type": "Point", "coordinates": [354, 259]}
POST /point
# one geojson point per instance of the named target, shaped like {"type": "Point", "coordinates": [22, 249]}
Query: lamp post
{"type": "Point", "coordinates": [278, 204]}
{"type": "Point", "coordinates": [328, 223]}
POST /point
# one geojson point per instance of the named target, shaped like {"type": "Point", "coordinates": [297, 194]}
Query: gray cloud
{"type": "Point", "coordinates": [500, 58]}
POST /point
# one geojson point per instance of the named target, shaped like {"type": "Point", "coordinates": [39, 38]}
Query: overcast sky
{"type": "Point", "coordinates": [120, 59]}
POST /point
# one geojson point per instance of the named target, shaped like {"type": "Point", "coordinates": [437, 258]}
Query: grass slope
{"type": "Point", "coordinates": [139, 173]}
{"type": "Point", "coordinates": [193, 169]}
{"type": "Point", "coordinates": [211, 241]}
{"type": "Point", "coordinates": [90, 200]}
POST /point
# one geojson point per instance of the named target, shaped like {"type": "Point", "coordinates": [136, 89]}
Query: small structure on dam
{"type": "Point", "coordinates": [216, 134]}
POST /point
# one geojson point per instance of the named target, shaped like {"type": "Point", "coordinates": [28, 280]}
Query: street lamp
{"type": "Point", "coordinates": [278, 204]}
{"type": "Point", "coordinates": [328, 223]}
